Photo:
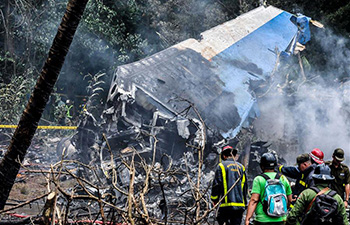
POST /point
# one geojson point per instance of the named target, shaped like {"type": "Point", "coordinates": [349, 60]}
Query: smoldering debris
{"type": "Point", "coordinates": [136, 184]}
{"type": "Point", "coordinates": [151, 158]}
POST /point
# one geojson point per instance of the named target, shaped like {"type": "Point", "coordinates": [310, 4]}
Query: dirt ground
{"type": "Point", "coordinates": [26, 188]}
{"type": "Point", "coordinates": [30, 185]}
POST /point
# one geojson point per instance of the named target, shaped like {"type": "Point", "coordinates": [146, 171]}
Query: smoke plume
{"type": "Point", "coordinates": [301, 113]}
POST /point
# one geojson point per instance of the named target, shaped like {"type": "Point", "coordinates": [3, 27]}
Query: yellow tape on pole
{"type": "Point", "coordinates": [45, 127]}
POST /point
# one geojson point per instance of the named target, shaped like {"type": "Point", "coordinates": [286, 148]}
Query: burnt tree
{"type": "Point", "coordinates": [22, 137]}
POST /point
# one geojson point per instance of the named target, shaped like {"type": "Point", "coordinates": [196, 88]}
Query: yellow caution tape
{"type": "Point", "coordinates": [45, 127]}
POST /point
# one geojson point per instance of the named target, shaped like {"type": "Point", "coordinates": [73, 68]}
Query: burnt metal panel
{"type": "Point", "coordinates": [213, 73]}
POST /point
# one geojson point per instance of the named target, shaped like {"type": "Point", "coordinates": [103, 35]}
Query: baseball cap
{"type": "Point", "coordinates": [339, 154]}
{"type": "Point", "coordinates": [303, 158]}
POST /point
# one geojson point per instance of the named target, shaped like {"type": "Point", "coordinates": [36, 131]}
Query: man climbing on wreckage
{"type": "Point", "coordinates": [230, 184]}
{"type": "Point", "coordinates": [271, 195]}
{"type": "Point", "coordinates": [302, 173]}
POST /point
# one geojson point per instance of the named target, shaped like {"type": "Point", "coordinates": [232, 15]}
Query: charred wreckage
{"type": "Point", "coordinates": [168, 115]}
{"type": "Point", "coordinates": [174, 110]}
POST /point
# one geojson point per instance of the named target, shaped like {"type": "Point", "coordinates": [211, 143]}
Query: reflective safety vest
{"type": "Point", "coordinates": [68, 108]}
{"type": "Point", "coordinates": [226, 175]}
{"type": "Point", "coordinates": [303, 179]}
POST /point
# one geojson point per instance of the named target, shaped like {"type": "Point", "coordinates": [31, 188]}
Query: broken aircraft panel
{"type": "Point", "coordinates": [212, 73]}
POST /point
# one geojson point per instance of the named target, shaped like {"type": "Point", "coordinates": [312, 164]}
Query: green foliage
{"type": "Point", "coordinates": [341, 18]}
{"type": "Point", "coordinates": [95, 90]}
{"type": "Point", "coordinates": [107, 28]}
{"type": "Point", "coordinates": [333, 13]}
{"type": "Point", "coordinates": [59, 110]}
{"type": "Point", "coordinates": [177, 20]}
{"type": "Point", "coordinates": [13, 99]}
{"type": "Point", "coordinates": [6, 58]}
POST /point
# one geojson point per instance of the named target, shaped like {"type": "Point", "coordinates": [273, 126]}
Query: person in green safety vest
{"type": "Point", "coordinates": [69, 112]}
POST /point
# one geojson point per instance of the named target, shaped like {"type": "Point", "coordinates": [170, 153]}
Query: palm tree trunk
{"type": "Point", "coordinates": [21, 140]}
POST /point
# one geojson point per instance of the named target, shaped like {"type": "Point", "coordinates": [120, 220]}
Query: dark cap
{"type": "Point", "coordinates": [303, 158]}
{"type": "Point", "coordinates": [339, 154]}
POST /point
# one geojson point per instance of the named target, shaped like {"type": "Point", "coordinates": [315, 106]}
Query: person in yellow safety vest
{"type": "Point", "coordinates": [302, 173]}
{"type": "Point", "coordinates": [230, 184]}
{"type": "Point", "coordinates": [83, 106]}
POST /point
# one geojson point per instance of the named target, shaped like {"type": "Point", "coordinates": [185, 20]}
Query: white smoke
{"type": "Point", "coordinates": [316, 113]}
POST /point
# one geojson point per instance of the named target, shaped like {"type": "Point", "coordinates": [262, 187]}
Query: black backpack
{"type": "Point", "coordinates": [324, 209]}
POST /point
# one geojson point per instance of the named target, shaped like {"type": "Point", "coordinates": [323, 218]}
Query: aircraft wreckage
{"type": "Point", "coordinates": [180, 105]}
{"type": "Point", "coordinates": [214, 75]}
